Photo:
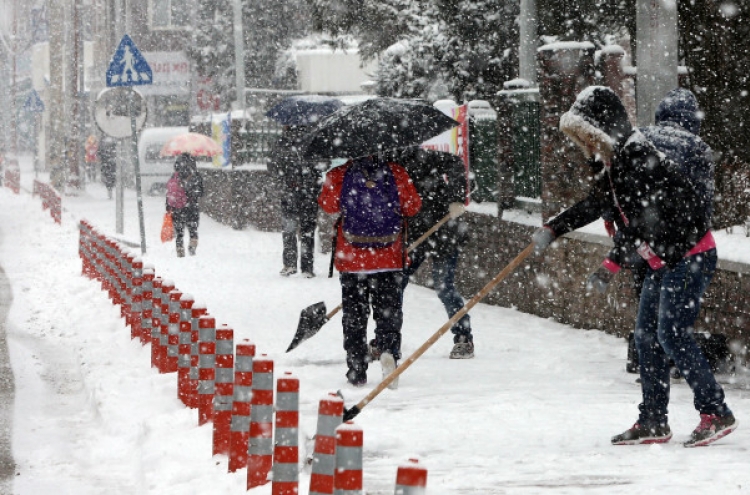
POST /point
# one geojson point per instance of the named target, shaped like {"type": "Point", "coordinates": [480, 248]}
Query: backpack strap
{"type": "Point", "coordinates": [333, 244]}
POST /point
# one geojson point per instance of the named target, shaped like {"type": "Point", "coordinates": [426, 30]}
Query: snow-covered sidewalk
{"type": "Point", "coordinates": [532, 413]}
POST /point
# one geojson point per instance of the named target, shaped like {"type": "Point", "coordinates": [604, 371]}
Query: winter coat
{"type": "Point", "coordinates": [675, 133]}
{"type": "Point", "coordinates": [655, 206]}
{"type": "Point", "coordinates": [297, 180]}
{"type": "Point", "coordinates": [440, 179]}
{"type": "Point", "coordinates": [349, 258]}
{"type": "Point", "coordinates": [192, 182]}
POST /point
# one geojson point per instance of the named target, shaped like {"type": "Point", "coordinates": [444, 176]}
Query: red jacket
{"type": "Point", "coordinates": [353, 259]}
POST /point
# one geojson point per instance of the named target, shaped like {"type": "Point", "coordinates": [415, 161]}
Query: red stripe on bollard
{"type": "Point", "coordinates": [260, 449]}
{"type": "Point", "coordinates": [224, 389]}
{"type": "Point", "coordinates": [127, 282]}
{"type": "Point", "coordinates": [286, 448]}
{"type": "Point", "coordinates": [183, 347]}
{"type": "Point", "coordinates": [239, 434]}
{"type": "Point", "coordinates": [411, 479]}
{"type": "Point", "coordinates": [206, 368]}
{"type": "Point", "coordinates": [348, 471]}
{"type": "Point", "coordinates": [330, 412]}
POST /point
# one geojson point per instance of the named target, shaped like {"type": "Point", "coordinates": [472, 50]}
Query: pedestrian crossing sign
{"type": "Point", "coordinates": [128, 66]}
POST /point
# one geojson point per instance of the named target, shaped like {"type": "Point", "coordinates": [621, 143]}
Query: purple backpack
{"type": "Point", "coordinates": [370, 205]}
{"type": "Point", "coordinates": [176, 196]}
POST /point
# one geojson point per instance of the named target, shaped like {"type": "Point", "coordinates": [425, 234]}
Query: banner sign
{"type": "Point", "coordinates": [221, 132]}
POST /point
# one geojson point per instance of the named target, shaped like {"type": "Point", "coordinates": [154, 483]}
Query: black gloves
{"type": "Point", "coordinates": [599, 280]}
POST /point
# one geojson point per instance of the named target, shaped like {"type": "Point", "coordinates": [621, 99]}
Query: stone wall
{"type": "Point", "coordinates": [240, 198]}
{"type": "Point", "coordinates": [553, 286]}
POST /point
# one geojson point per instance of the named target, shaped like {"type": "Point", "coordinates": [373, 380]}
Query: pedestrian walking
{"type": "Point", "coordinates": [108, 161]}
{"type": "Point", "coordinates": [440, 180]}
{"type": "Point", "coordinates": [298, 182]}
{"type": "Point", "coordinates": [184, 190]}
{"type": "Point", "coordinates": [373, 197]}
{"type": "Point", "coordinates": [660, 214]}
{"type": "Point", "coordinates": [91, 157]}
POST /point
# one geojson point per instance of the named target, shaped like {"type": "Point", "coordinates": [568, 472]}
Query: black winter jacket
{"type": "Point", "coordinates": [440, 179]}
{"type": "Point", "coordinates": [299, 181]}
{"type": "Point", "coordinates": [642, 190]}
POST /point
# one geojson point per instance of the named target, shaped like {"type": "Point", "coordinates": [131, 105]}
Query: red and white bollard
{"type": "Point", "coordinates": [330, 413]}
{"type": "Point", "coordinates": [285, 479]}
{"type": "Point", "coordinates": [147, 304]}
{"type": "Point", "coordinates": [155, 336]}
{"type": "Point", "coordinates": [224, 388]}
{"type": "Point", "coordinates": [136, 300]}
{"type": "Point", "coordinates": [411, 479]}
{"type": "Point", "coordinates": [239, 434]}
{"type": "Point", "coordinates": [260, 450]}
{"type": "Point", "coordinates": [206, 368]}
{"type": "Point", "coordinates": [171, 355]}
{"type": "Point", "coordinates": [347, 479]}
{"type": "Point", "coordinates": [167, 286]}
{"type": "Point", "coordinates": [191, 392]}
{"type": "Point", "coordinates": [183, 348]}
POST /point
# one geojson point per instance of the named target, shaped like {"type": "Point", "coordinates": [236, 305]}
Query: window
{"type": "Point", "coordinates": [169, 14]}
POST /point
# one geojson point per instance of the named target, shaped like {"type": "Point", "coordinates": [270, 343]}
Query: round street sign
{"type": "Point", "coordinates": [112, 111]}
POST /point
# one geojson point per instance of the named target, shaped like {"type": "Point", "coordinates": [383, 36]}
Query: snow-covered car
{"type": "Point", "coordinates": [156, 169]}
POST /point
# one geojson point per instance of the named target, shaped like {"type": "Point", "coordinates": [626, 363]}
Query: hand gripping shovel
{"type": "Point", "coordinates": [355, 410]}
{"type": "Point", "coordinates": [312, 318]}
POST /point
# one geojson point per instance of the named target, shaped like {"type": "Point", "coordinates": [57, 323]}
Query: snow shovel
{"type": "Point", "coordinates": [312, 318]}
{"type": "Point", "coordinates": [352, 412]}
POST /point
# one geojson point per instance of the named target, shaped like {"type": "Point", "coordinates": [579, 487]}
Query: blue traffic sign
{"type": "Point", "coordinates": [128, 67]}
{"type": "Point", "coordinates": [33, 103]}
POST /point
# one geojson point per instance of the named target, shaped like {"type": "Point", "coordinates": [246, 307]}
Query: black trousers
{"type": "Point", "coordinates": [185, 217]}
{"type": "Point", "coordinates": [382, 292]}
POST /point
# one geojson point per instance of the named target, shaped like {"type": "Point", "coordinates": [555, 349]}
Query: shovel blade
{"type": "Point", "coordinates": [311, 319]}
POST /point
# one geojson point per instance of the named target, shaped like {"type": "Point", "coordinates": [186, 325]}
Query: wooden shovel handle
{"type": "Point", "coordinates": [434, 338]}
{"type": "Point", "coordinates": [411, 248]}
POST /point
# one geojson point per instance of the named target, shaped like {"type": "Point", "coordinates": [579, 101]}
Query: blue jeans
{"type": "Point", "coordinates": [443, 274]}
{"type": "Point", "coordinates": [669, 306]}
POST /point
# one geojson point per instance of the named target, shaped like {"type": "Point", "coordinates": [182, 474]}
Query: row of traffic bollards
{"type": "Point", "coordinates": [230, 387]}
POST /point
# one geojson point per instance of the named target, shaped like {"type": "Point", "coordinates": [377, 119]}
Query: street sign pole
{"type": "Point", "coordinates": [129, 68]}
{"type": "Point", "coordinates": [137, 166]}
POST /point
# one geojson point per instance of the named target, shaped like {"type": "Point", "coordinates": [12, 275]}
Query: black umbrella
{"type": "Point", "coordinates": [374, 126]}
{"type": "Point", "coordinates": [303, 109]}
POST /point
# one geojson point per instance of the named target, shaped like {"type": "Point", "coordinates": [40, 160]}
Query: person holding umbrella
{"type": "Point", "coordinates": [298, 180]}
{"type": "Point", "coordinates": [440, 179]}
{"type": "Point", "coordinates": [184, 190]}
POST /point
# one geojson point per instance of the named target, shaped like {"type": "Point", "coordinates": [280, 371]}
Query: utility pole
{"type": "Point", "coordinates": [239, 56]}
{"type": "Point", "coordinates": [75, 179]}
{"type": "Point", "coordinates": [528, 41]}
{"type": "Point", "coordinates": [656, 55]}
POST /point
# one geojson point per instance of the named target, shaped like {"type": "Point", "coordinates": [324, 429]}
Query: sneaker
{"type": "Point", "coordinates": [639, 434]}
{"type": "Point", "coordinates": [373, 352]}
{"type": "Point", "coordinates": [308, 274]}
{"type": "Point", "coordinates": [180, 252]}
{"type": "Point", "coordinates": [710, 429]}
{"type": "Point", "coordinates": [462, 349]}
{"type": "Point", "coordinates": [356, 377]}
{"type": "Point", "coordinates": [287, 271]}
{"type": "Point", "coordinates": [389, 363]}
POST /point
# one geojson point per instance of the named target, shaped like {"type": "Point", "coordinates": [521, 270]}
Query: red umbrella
{"type": "Point", "coordinates": [192, 143]}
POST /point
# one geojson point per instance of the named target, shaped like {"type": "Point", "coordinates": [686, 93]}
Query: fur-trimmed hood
{"type": "Point", "coordinates": [597, 119]}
